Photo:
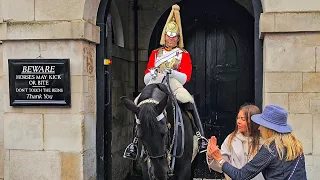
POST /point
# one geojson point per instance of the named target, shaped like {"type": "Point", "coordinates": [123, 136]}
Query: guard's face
{"type": "Point", "coordinates": [172, 42]}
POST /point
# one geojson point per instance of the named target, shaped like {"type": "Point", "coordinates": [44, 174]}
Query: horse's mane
{"type": "Point", "coordinates": [147, 92]}
{"type": "Point", "coordinates": [147, 113]}
{"type": "Point", "coordinates": [147, 116]}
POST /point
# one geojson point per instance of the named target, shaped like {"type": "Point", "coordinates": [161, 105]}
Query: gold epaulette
{"type": "Point", "coordinates": [158, 49]}
{"type": "Point", "coordinates": [183, 50]}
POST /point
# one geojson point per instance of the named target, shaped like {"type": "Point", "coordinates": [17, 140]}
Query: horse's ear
{"type": "Point", "coordinates": [129, 104]}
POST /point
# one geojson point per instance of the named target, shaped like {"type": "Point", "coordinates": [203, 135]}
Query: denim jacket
{"type": "Point", "coordinates": [271, 166]}
{"type": "Point", "coordinates": [235, 155]}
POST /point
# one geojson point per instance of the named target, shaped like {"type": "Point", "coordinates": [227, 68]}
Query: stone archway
{"type": "Point", "coordinates": [90, 10]}
{"type": "Point", "coordinates": [117, 26]}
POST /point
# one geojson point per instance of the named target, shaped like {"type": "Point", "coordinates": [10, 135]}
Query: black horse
{"type": "Point", "coordinates": [155, 129]}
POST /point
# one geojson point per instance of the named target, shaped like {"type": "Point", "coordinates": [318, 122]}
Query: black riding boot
{"type": "Point", "coordinates": [131, 152]}
{"type": "Point", "coordinates": [202, 141]}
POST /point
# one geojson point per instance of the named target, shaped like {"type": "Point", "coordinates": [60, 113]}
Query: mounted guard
{"type": "Point", "coordinates": [175, 61]}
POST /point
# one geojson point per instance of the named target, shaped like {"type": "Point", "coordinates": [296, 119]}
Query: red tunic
{"type": "Point", "coordinates": [184, 67]}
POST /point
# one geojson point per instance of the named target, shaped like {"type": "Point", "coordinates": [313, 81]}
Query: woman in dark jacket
{"type": "Point", "coordinates": [280, 158]}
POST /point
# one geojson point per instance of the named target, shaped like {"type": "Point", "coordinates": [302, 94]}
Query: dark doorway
{"type": "Point", "coordinates": [219, 35]}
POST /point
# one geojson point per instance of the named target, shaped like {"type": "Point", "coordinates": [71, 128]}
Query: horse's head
{"type": "Point", "coordinates": [152, 127]}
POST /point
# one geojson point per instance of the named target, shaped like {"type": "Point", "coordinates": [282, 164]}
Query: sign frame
{"type": "Point", "coordinates": [66, 94]}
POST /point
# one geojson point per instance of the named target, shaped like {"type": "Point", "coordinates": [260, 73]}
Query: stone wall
{"type": "Point", "coordinates": [292, 80]}
{"type": "Point", "coordinates": [122, 119]}
{"type": "Point", "coordinates": [290, 5]}
{"type": "Point", "coordinates": [1, 117]}
{"type": "Point", "coordinates": [60, 140]}
{"type": "Point", "coordinates": [46, 10]}
{"type": "Point", "coordinates": [290, 30]}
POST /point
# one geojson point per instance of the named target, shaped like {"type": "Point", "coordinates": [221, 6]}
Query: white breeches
{"type": "Point", "coordinates": [177, 88]}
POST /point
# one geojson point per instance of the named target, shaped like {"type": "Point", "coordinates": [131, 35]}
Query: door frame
{"type": "Point", "coordinates": [103, 94]}
{"type": "Point", "coordinates": [258, 55]}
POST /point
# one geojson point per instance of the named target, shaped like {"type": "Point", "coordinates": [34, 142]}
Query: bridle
{"type": "Point", "coordinates": [159, 118]}
{"type": "Point", "coordinates": [170, 153]}
{"type": "Point", "coordinates": [145, 151]}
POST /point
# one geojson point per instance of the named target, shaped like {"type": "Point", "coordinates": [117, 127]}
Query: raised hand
{"type": "Point", "coordinates": [213, 150]}
{"type": "Point", "coordinates": [213, 140]}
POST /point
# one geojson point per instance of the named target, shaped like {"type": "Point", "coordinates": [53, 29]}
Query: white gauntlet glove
{"type": "Point", "coordinates": [179, 76]}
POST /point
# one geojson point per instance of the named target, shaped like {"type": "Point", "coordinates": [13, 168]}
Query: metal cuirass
{"type": "Point", "coordinates": [168, 59]}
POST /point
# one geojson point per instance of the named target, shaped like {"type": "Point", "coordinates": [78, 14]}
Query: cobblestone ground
{"type": "Point", "coordinates": [205, 179]}
{"type": "Point", "coordinates": [139, 178]}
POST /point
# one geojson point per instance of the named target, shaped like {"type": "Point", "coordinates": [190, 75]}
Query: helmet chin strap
{"type": "Point", "coordinates": [170, 48]}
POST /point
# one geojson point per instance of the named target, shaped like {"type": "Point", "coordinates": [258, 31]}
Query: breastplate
{"type": "Point", "coordinates": [168, 59]}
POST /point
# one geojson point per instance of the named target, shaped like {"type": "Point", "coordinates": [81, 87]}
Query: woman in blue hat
{"type": "Point", "coordinates": [281, 157]}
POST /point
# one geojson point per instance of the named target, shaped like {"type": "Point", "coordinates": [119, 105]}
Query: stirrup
{"type": "Point", "coordinates": [202, 143]}
{"type": "Point", "coordinates": [170, 173]}
{"type": "Point", "coordinates": [131, 151]}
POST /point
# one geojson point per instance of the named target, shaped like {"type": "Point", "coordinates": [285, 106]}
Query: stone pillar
{"type": "Point", "coordinates": [41, 142]}
{"type": "Point", "coordinates": [1, 116]}
{"type": "Point", "coordinates": [291, 69]}
{"type": "Point", "coordinates": [60, 140]}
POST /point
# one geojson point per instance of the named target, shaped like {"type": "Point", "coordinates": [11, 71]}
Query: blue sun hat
{"type": "Point", "coordinates": [273, 117]}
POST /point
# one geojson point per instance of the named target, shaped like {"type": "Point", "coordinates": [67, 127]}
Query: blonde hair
{"type": "Point", "coordinates": [287, 141]}
{"type": "Point", "coordinates": [253, 131]}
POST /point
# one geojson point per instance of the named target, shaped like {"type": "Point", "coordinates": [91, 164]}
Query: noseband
{"type": "Point", "coordinates": [160, 117]}
{"type": "Point", "coordinates": [170, 157]}
{"type": "Point", "coordinates": [151, 101]}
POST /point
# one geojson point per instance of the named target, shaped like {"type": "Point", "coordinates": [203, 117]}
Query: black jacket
{"type": "Point", "coordinates": [269, 163]}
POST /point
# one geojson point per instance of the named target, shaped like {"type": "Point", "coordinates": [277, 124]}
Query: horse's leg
{"type": "Point", "coordinates": [183, 166]}
{"type": "Point", "coordinates": [144, 169]}
{"type": "Point", "coordinates": [184, 172]}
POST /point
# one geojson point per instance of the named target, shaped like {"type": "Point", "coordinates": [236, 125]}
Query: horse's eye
{"type": "Point", "coordinates": [163, 129]}
{"type": "Point", "coordinates": [139, 132]}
